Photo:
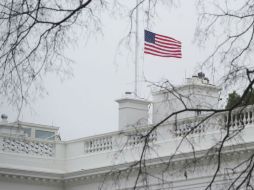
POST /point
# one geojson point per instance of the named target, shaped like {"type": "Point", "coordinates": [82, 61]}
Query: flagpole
{"type": "Point", "coordinates": [136, 50]}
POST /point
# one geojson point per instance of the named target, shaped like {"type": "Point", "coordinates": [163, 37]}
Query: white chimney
{"type": "Point", "coordinates": [132, 111]}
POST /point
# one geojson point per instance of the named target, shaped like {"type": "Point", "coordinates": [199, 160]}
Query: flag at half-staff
{"type": "Point", "coordinates": [162, 46]}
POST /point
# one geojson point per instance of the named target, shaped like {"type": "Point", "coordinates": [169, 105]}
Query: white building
{"type": "Point", "coordinates": [32, 156]}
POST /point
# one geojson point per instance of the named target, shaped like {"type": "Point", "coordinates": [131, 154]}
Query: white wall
{"type": "Point", "coordinates": [194, 96]}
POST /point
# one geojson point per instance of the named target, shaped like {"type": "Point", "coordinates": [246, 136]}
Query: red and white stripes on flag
{"type": "Point", "coordinates": [162, 46]}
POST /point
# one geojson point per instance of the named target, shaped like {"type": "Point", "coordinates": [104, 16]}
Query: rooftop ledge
{"type": "Point", "coordinates": [100, 151]}
{"type": "Point", "coordinates": [28, 124]}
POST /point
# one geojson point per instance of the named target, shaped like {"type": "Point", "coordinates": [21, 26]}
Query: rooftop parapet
{"type": "Point", "coordinates": [196, 93]}
{"type": "Point", "coordinates": [101, 150]}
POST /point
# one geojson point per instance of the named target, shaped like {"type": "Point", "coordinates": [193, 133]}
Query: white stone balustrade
{"type": "Point", "coordinates": [239, 118]}
{"type": "Point", "coordinates": [27, 146]}
{"type": "Point", "coordinates": [99, 151]}
{"type": "Point", "coordinates": [98, 144]}
{"type": "Point", "coordinates": [137, 137]}
{"type": "Point", "coordinates": [131, 137]}
{"type": "Point", "coordinates": [190, 126]}
{"type": "Point", "coordinates": [116, 141]}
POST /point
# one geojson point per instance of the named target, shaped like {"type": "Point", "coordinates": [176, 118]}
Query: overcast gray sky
{"type": "Point", "coordinates": [85, 104]}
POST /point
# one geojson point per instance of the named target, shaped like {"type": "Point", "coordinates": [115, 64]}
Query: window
{"type": "Point", "coordinates": [27, 131]}
{"type": "Point", "coordinates": [44, 135]}
{"type": "Point", "coordinates": [198, 112]}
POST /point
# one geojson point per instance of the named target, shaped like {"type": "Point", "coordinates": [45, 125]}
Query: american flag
{"type": "Point", "coordinates": [163, 46]}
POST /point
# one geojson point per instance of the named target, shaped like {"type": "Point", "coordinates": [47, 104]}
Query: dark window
{"type": "Point", "coordinates": [27, 131]}
{"type": "Point", "coordinates": [198, 112]}
{"type": "Point", "coordinates": [44, 135]}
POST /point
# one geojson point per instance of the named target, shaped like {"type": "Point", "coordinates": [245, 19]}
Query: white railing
{"type": "Point", "coordinates": [98, 144]}
{"type": "Point", "coordinates": [27, 146]}
{"type": "Point", "coordinates": [190, 126]}
{"type": "Point", "coordinates": [116, 141]}
{"type": "Point", "coordinates": [137, 137]}
{"type": "Point", "coordinates": [131, 137]}
{"type": "Point", "coordinates": [239, 118]}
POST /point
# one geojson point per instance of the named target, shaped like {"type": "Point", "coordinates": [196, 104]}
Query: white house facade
{"type": "Point", "coordinates": [181, 153]}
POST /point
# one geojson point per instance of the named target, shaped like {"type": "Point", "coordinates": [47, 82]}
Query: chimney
{"type": "Point", "coordinates": [133, 111]}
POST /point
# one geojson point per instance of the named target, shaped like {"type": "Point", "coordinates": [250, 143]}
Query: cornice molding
{"type": "Point", "coordinates": [8, 174]}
